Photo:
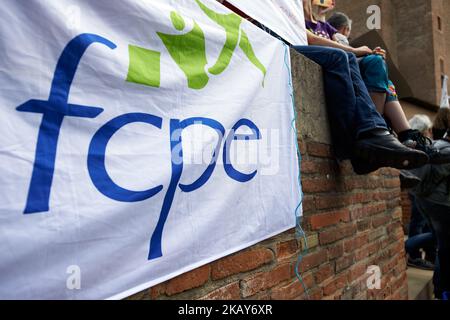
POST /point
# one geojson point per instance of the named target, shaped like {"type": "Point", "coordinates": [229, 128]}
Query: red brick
{"type": "Point", "coordinates": [241, 262]}
{"type": "Point", "coordinates": [359, 241]}
{"type": "Point", "coordinates": [390, 172]}
{"type": "Point", "coordinates": [388, 266]}
{"type": "Point", "coordinates": [401, 294]}
{"type": "Point", "coordinates": [315, 294]}
{"type": "Point", "coordinates": [309, 204]}
{"type": "Point", "coordinates": [397, 235]}
{"type": "Point", "coordinates": [361, 254]}
{"type": "Point", "coordinates": [323, 273]}
{"type": "Point", "coordinates": [380, 221]}
{"type": "Point", "coordinates": [401, 265]}
{"type": "Point", "coordinates": [331, 201]}
{"type": "Point", "coordinates": [335, 251]}
{"type": "Point", "coordinates": [382, 294]}
{"type": "Point", "coordinates": [317, 166]}
{"type": "Point", "coordinates": [393, 204]}
{"type": "Point", "coordinates": [336, 283]}
{"type": "Point", "coordinates": [376, 233]}
{"type": "Point", "coordinates": [357, 271]}
{"type": "Point", "coordinates": [396, 248]}
{"type": "Point", "coordinates": [293, 289]}
{"type": "Point", "coordinates": [400, 282]}
{"type": "Point", "coordinates": [312, 260]}
{"type": "Point", "coordinates": [360, 198]}
{"type": "Point", "coordinates": [373, 248]}
{"type": "Point", "coordinates": [287, 249]}
{"type": "Point", "coordinates": [336, 234]}
{"type": "Point", "coordinates": [387, 195]}
{"type": "Point", "coordinates": [228, 292]}
{"type": "Point", "coordinates": [367, 210]}
{"type": "Point", "coordinates": [157, 291]}
{"type": "Point", "coordinates": [391, 183]}
{"type": "Point", "coordinates": [319, 150]}
{"type": "Point", "coordinates": [364, 225]}
{"type": "Point", "coordinates": [353, 183]}
{"type": "Point", "coordinates": [265, 280]}
{"type": "Point", "coordinates": [190, 280]}
{"type": "Point", "coordinates": [394, 227]}
{"type": "Point", "coordinates": [344, 262]}
{"type": "Point", "coordinates": [319, 221]}
{"type": "Point", "coordinates": [317, 185]}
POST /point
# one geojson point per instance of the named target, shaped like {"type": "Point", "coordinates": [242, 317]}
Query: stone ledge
{"type": "Point", "coordinates": [312, 121]}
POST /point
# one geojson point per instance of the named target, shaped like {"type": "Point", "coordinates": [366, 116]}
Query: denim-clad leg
{"type": "Point", "coordinates": [420, 241]}
{"type": "Point", "coordinates": [349, 105]}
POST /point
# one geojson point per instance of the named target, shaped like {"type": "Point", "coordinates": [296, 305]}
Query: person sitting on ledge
{"type": "Point", "coordinates": [359, 132]}
{"type": "Point", "coordinates": [374, 71]}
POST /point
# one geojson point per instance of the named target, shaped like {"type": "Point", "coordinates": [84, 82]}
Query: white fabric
{"type": "Point", "coordinates": [87, 245]}
{"type": "Point", "coordinates": [445, 98]}
{"type": "Point", "coordinates": [284, 17]}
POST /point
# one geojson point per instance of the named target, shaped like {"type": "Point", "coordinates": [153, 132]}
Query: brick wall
{"type": "Point", "coordinates": [406, 209]}
{"type": "Point", "coordinates": [351, 223]}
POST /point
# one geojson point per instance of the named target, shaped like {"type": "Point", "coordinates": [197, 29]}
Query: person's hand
{"type": "Point", "coordinates": [379, 51]}
{"type": "Point", "coordinates": [362, 51]}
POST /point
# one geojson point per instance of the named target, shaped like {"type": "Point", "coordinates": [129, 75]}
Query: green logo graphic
{"type": "Point", "coordinates": [188, 51]}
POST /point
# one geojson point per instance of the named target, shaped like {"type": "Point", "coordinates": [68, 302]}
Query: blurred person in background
{"type": "Point", "coordinates": [432, 198]}
{"type": "Point", "coordinates": [420, 235]}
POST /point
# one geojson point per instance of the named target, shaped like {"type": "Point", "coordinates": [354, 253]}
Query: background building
{"type": "Point", "coordinates": [417, 36]}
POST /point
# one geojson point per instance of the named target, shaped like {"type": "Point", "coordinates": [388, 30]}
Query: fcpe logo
{"type": "Point", "coordinates": [143, 69]}
{"type": "Point", "coordinates": [145, 64]}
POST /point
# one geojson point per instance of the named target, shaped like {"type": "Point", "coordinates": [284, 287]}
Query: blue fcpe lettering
{"type": "Point", "coordinates": [54, 110]}
{"type": "Point", "coordinates": [57, 107]}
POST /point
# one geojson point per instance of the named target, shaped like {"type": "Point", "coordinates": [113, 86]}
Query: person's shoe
{"type": "Point", "coordinates": [416, 140]}
{"type": "Point", "coordinates": [378, 149]}
{"type": "Point", "coordinates": [421, 264]}
{"type": "Point", "coordinates": [408, 180]}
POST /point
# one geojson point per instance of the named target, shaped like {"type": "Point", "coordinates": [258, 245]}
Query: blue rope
{"type": "Point", "coordinates": [299, 233]}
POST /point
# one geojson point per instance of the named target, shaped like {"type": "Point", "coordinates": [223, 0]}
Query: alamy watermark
{"type": "Point", "coordinates": [374, 19]}
{"type": "Point", "coordinates": [374, 280]}
{"type": "Point", "coordinates": [73, 281]}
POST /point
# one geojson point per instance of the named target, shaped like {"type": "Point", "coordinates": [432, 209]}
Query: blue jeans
{"type": "Point", "coordinates": [423, 241]}
{"type": "Point", "coordinates": [350, 108]}
{"type": "Point", "coordinates": [439, 217]}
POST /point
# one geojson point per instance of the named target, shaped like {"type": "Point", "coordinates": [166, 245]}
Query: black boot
{"type": "Point", "coordinates": [378, 149]}
{"type": "Point", "coordinates": [416, 140]}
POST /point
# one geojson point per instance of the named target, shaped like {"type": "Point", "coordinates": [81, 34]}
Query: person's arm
{"type": "Point", "coordinates": [319, 41]}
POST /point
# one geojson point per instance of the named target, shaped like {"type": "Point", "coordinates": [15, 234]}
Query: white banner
{"type": "Point", "coordinates": [138, 140]}
{"type": "Point", "coordinates": [445, 103]}
{"type": "Point", "coordinates": [284, 17]}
